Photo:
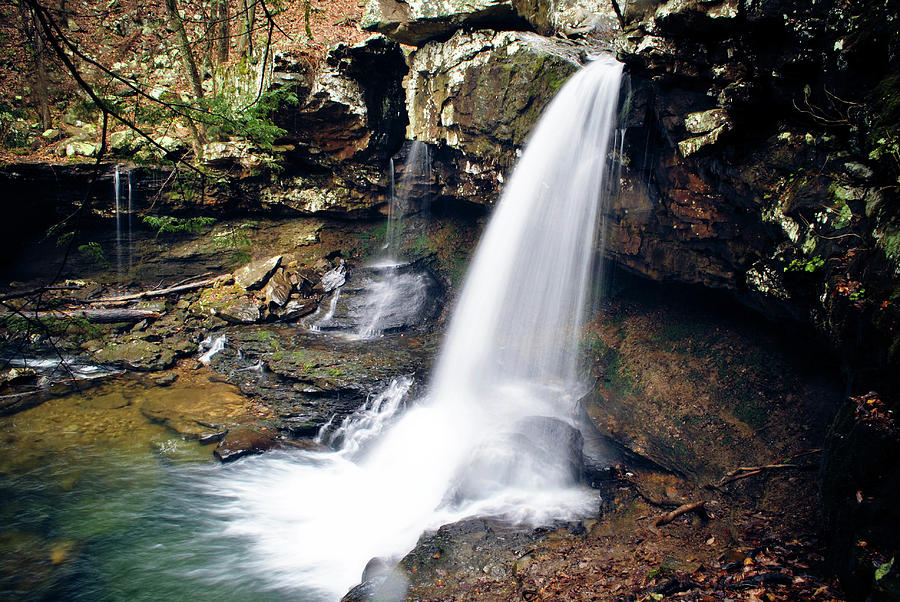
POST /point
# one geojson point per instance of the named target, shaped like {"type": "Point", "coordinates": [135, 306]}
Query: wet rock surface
{"type": "Point", "coordinates": [378, 299]}
{"type": "Point", "coordinates": [417, 21]}
{"type": "Point", "coordinates": [700, 389]}
{"type": "Point", "coordinates": [241, 442]}
{"type": "Point", "coordinates": [220, 407]}
{"type": "Point", "coordinates": [312, 379]}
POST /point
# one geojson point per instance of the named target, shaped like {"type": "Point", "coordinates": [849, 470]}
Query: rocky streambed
{"type": "Point", "coordinates": [741, 398]}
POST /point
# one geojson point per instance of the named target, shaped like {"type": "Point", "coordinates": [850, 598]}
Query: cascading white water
{"type": "Point", "coordinates": [416, 169]}
{"type": "Point", "coordinates": [130, 217]}
{"type": "Point", "coordinates": [490, 438]}
{"type": "Point", "coordinates": [384, 295]}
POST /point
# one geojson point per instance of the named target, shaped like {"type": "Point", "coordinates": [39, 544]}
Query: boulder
{"type": "Point", "coordinates": [568, 17]}
{"type": "Point", "coordinates": [254, 275]}
{"type": "Point", "coordinates": [278, 289]}
{"type": "Point", "coordinates": [245, 441]}
{"type": "Point", "coordinates": [535, 449]}
{"type": "Point", "coordinates": [137, 354]}
{"type": "Point", "coordinates": [81, 149]}
{"type": "Point", "coordinates": [478, 95]}
{"type": "Point", "coordinates": [417, 21]}
{"type": "Point", "coordinates": [241, 310]}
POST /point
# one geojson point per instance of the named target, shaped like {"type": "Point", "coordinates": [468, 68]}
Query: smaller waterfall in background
{"type": "Point", "coordinates": [130, 220]}
{"type": "Point", "coordinates": [123, 200]}
{"type": "Point", "coordinates": [394, 215]}
{"type": "Point", "coordinates": [388, 294]}
{"type": "Point", "coordinates": [395, 292]}
{"type": "Point", "coordinates": [414, 184]}
{"type": "Point", "coordinates": [117, 195]}
{"type": "Point", "coordinates": [495, 434]}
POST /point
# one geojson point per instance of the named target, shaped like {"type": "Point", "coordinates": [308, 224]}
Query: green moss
{"type": "Point", "coordinates": [619, 376]}
{"type": "Point", "coordinates": [890, 244]}
{"type": "Point", "coordinates": [753, 412]}
{"type": "Point", "coordinates": [804, 264]}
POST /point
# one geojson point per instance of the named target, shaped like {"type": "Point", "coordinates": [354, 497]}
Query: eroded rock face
{"type": "Point", "coordinates": [568, 17]}
{"type": "Point", "coordinates": [735, 177]}
{"type": "Point", "coordinates": [478, 95]}
{"type": "Point", "coordinates": [349, 120]}
{"type": "Point", "coordinates": [417, 21]}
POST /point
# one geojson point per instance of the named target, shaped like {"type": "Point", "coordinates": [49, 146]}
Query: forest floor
{"type": "Point", "coordinates": [756, 540]}
{"type": "Point", "coordinates": [129, 29]}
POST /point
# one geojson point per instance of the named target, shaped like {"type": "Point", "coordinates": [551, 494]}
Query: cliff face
{"type": "Point", "coordinates": [755, 160]}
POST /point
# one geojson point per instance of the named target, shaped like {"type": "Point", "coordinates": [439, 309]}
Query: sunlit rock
{"type": "Point", "coordinates": [254, 275]}
{"type": "Point", "coordinates": [417, 21]}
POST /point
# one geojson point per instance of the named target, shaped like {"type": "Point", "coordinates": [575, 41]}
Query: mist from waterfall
{"type": "Point", "coordinates": [488, 438]}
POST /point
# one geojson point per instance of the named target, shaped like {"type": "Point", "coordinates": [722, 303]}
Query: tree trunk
{"type": "Point", "coordinates": [41, 78]}
{"type": "Point", "coordinates": [248, 10]}
{"type": "Point", "coordinates": [224, 31]}
{"type": "Point", "coordinates": [109, 316]}
{"type": "Point", "coordinates": [190, 68]}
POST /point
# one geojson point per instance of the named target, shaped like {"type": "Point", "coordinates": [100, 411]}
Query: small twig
{"type": "Point", "coordinates": [748, 471]}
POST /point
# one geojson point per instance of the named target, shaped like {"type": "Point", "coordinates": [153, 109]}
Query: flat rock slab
{"type": "Point", "coordinates": [195, 412]}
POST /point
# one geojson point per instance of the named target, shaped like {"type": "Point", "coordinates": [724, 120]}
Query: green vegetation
{"type": "Point", "coordinates": [237, 241]}
{"type": "Point", "coordinates": [882, 571]}
{"type": "Point", "coordinates": [885, 141]}
{"type": "Point", "coordinates": [803, 264]}
{"type": "Point", "coordinates": [252, 122]}
{"type": "Point", "coordinates": [890, 243]}
{"type": "Point", "coordinates": [93, 251]}
{"type": "Point", "coordinates": [167, 223]}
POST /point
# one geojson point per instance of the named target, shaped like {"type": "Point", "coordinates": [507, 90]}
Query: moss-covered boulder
{"type": "Point", "coordinates": [137, 354]}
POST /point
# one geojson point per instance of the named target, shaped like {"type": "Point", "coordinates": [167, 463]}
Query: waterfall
{"type": "Point", "coordinates": [117, 195]}
{"type": "Point", "coordinates": [130, 225]}
{"type": "Point", "coordinates": [416, 170]}
{"type": "Point", "coordinates": [387, 294]}
{"type": "Point", "coordinates": [493, 435]}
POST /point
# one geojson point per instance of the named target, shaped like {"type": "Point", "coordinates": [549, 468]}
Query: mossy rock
{"type": "Point", "coordinates": [137, 354]}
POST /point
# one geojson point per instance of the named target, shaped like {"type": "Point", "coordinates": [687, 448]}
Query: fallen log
{"type": "Point", "coordinates": [668, 517]}
{"type": "Point", "coordinates": [107, 316]}
{"type": "Point", "coordinates": [180, 288]}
